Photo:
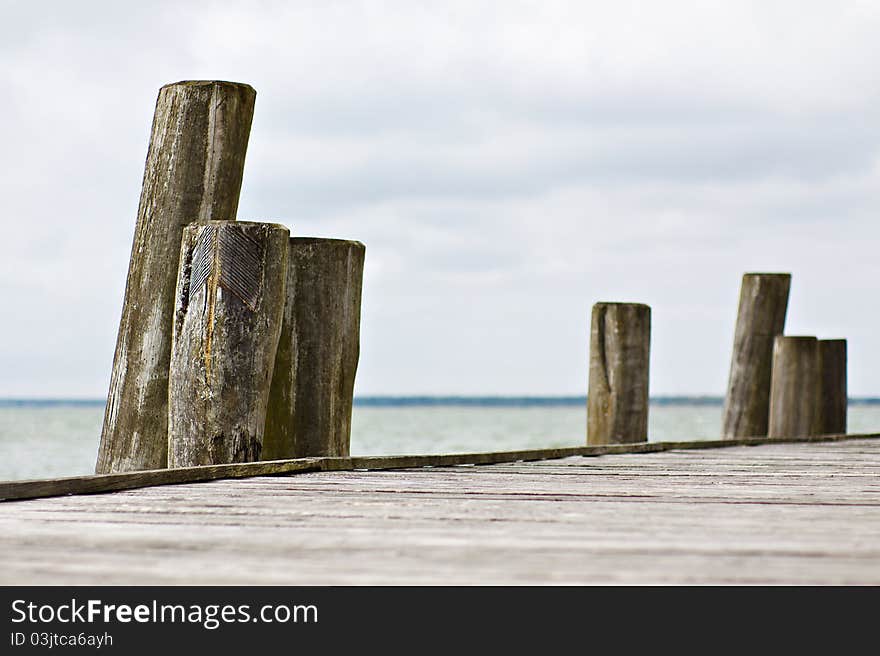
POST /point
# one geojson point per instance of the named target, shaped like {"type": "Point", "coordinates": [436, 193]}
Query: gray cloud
{"type": "Point", "coordinates": [506, 165]}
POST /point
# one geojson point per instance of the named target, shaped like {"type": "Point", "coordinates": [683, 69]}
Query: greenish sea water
{"type": "Point", "coordinates": [40, 440]}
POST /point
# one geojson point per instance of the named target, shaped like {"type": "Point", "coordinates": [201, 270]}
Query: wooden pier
{"type": "Point", "coordinates": [800, 512]}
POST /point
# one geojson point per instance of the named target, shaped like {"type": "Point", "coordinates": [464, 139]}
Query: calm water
{"type": "Point", "coordinates": [39, 441]}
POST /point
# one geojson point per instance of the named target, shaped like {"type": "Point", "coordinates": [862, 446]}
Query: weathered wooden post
{"type": "Point", "coordinates": [794, 387]}
{"type": "Point", "coordinates": [620, 347]}
{"type": "Point", "coordinates": [833, 396]}
{"type": "Point", "coordinates": [227, 321]}
{"type": "Point", "coordinates": [312, 387]}
{"type": "Point", "coordinates": [763, 303]}
{"type": "Point", "coordinates": [193, 173]}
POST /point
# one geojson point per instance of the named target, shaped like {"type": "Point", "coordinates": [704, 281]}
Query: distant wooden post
{"type": "Point", "coordinates": [832, 358]}
{"type": "Point", "coordinates": [193, 173]}
{"type": "Point", "coordinates": [227, 321]}
{"type": "Point", "coordinates": [763, 303]}
{"type": "Point", "coordinates": [620, 346]}
{"type": "Point", "coordinates": [794, 388]}
{"type": "Point", "coordinates": [313, 383]}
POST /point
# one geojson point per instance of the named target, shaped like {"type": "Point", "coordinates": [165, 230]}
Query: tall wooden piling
{"type": "Point", "coordinates": [763, 303]}
{"type": "Point", "coordinates": [795, 387]}
{"type": "Point", "coordinates": [833, 395]}
{"type": "Point", "coordinates": [620, 346]}
{"type": "Point", "coordinates": [193, 172]}
{"type": "Point", "coordinates": [313, 383]}
{"type": "Point", "coordinates": [227, 322]}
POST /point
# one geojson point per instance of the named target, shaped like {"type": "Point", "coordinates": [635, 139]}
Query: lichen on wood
{"type": "Point", "coordinates": [225, 336]}
{"type": "Point", "coordinates": [193, 172]}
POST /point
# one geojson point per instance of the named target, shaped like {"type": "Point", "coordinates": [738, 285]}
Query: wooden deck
{"type": "Point", "coordinates": [776, 513]}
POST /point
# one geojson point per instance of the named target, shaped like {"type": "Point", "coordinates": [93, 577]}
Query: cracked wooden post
{"type": "Point", "coordinates": [227, 321]}
{"type": "Point", "coordinates": [833, 397]}
{"type": "Point", "coordinates": [763, 303]}
{"type": "Point", "coordinates": [794, 387]}
{"type": "Point", "coordinates": [620, 347]}
{"type": "Point", "coordinates": [193, 172]}
{"type": "Point", "coordinates": [312, 387]}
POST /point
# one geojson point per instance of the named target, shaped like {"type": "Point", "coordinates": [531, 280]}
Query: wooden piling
{"type": "Point", "coordinates": [193, 172]}
{"type": "Point", "coordinates": [763, 303]}
{"type": "Point", "coordinates": [227, 322]}
{"type": "Point", "coordinates": [833, 395]}
{"type": "Point", "coordinates": [620, 345]}
{"type": "Point", "coordinates": [795, 387]}
{"type": "Point", "coordinates": [313, 382]}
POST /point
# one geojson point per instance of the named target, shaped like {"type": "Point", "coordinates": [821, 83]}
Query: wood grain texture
{"type": "Point", "coordinates": [315, 366]}
{"type": "Point", "coordinates": [803, 513]}
{"type": "Point", "coordinates": [32, 489]}
{"type": "Point", "coordinates": [833, 395]}
{"type": "Point", "coordinates": [193, 173]}
{"type": "Point", "coordinates": [620, 350]}
{"type": "Point", "coordinates": [226, 329]}
{"type": "Point", "coordinates": [795, 387]}
{"type": "Point", "coordinates": [763, 303]}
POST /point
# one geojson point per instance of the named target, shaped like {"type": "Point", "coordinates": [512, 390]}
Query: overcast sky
{"type": "Point", "coordinates": [507, 165]}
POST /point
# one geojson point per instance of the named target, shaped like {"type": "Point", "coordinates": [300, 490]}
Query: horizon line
{"type": "Point", "coordinates": [397, 400]}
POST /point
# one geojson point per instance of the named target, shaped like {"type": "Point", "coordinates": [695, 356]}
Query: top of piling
{"type": "Point", "coordinates": [231, 222]}
{"type": "Point", "coordinates": [205, 83]}
{"type": "Point", "coordinates": [620, 303]}
{"type": "Point", "coordinates": [766, 273]}
{"type": "Point", "coordinates": [328, 241]}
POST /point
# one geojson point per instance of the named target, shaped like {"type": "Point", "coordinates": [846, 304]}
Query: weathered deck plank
{"type": "Point", "coordinates": [780, 513]}
{"type": "Point", "coordinates": [36, 489]}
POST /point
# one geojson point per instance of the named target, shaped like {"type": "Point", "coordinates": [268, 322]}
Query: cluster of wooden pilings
{"type": "Point", "coordinates": [779, 385]}
{"type": "Point", "coordinates": [237, 341]}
